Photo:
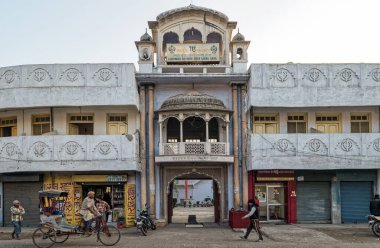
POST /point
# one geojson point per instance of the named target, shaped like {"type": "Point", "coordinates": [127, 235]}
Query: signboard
{"type": "Point", "coordinates": [179, 53]}
{"type": "Point", "coordinates": [100, 178]}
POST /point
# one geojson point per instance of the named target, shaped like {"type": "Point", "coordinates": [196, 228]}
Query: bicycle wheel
{"type": "Point", "coordinates": [61, 237]}
{"type": "Point", "coordinates": [144, 230]}
{"type": "Point", "coordinates": [109, 235]}
{"type": "Point", "coordinates": [44, 237]}
{"type": "Point", "coordinates": [376, 228]}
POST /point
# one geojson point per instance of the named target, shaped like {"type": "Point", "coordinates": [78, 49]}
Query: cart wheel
{"type": "Point", "coordinates": [109, 235]}
{"type": "Point", "coordinates": [376, 228]}
{"type": "Point", "coordinates": [61, 237]}
{"type": "Point", "coordinates": [44, 237]}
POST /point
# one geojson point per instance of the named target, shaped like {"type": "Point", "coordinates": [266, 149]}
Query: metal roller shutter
{"type": "Point", "coordinates": [27, 194]}
{"type": "Point", "coordinates": [355, 198]}
{"type": "Point", "coordinates": [313, 202]}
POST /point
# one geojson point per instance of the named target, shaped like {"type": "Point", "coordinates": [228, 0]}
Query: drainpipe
{"type": "Point", "coordinates": [51, 119]}
{"type": "Point", "coordinates": [152, 184]}
{"type": "Point", "coordinates": [240, 147]}
{"type": "Point", "coordinates": [147, 151]}
{"type": "Point", "coordinates": [143, 147]}
{"type": "Point", "coordinates": [235, 147]}
{"type": "Point", "coordinates": [244, 148]}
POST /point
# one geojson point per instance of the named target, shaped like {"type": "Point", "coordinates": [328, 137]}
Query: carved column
{"type": "Point", "coordinates": [161, 139]}
{"type": "Point", "coordinates": [181, 131]}
{"type": "Point", "coordinates": [207, 135]}
{"type": "Point", "coordinates": [143, 192]}
{"type": "Point", "coordinates": [152, 188]}
{"type": "Point", "coordinates": [227, 133]}
{"type": "Point", "coordinates": [235, 146]}
{"type": "Point", "coordinates": [243, 148]}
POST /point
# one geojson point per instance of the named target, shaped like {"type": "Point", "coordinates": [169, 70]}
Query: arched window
{"type": "Point", "coordinates": [169, 37]}
{"type": "Point", "coordinates": [192, 35]}
{"type": "Point", "coordinates": [239, 53]}
{"type": "Point", "coordinates": [173, 130]}
{"type": "Point", "coordinates": [215, 37]}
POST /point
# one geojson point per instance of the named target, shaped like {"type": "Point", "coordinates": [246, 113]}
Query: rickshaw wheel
{"type": "Point", "coordinates": [44, 237]}
{"type": "Point", "coordinates": [61, 237]}
{"type": "Point", "coordinates": [109, 235]}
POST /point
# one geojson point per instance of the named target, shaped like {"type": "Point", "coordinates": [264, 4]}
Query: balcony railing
{"type": "Point", "coordinates": [315, 151]}
{"type": "Point", "coordinates": [69, 152]}
{"type": "Point", "coordinates": [194, 148]}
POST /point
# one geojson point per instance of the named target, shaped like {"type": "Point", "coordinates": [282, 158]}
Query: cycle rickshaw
{"type": "Point", "coordinates": [54, 229]}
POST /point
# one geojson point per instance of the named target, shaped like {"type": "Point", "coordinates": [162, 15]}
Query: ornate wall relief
{"type": "Point", "coordinates": [104, 75]}
{"type": "Point", "coordinates": [105, 150]}
{"type": "Point", "coordinates": [40, 75]}
{"type": "Point", "coordinates": [347, 147]}
{"type": "Point", "coordinates": [375, 75]}
{"type": "Point", "coordinates": [72, 75]}
{"type": "Point", "coordinates": [10, 150]}
{"type": "Point", "coordinates": [39, 151]}
{"type": "Point", "coordinates": [72, 150]}
{"type": "Point", "coordinates": [315, 146]}
{"type": "Point", "coordinates": [9, 77]}
{"type": "Point", "coordinates": [346, 75]}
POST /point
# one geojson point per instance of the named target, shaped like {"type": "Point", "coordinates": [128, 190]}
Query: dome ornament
{"type": "Point", "coordinates": [146, 36]}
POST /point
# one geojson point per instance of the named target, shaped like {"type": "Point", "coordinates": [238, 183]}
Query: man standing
{"type": "Point", "coordinates": [253, 216]}
{"type": "Point", "coordinates": [88, 210]}
{"type": "Point", "coordinates": [103, 207]}
{"type": "Point", "coordinates": [17, 217]}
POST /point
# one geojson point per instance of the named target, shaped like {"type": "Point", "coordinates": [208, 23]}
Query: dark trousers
{"type": "Point", "coordinates": [17, 228]}
{"type": "Point", "coordinates": [254, 224]}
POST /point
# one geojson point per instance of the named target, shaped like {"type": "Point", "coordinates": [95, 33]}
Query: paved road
{"type": "Point", "coordinates": [285, 236]}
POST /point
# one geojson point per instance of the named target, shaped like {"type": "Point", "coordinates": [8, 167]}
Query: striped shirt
{"type": "Point", "coordinates": [17, 213]}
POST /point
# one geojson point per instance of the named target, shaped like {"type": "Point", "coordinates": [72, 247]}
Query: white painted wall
{"type": "Point", "coordinates": [314, 85]}
{"type": "Point", "coordinates": [48, 85]}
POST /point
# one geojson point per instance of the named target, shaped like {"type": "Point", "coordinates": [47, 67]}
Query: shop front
{"type": "Point", "coordinates": [276, 192]}
{"type": "Point", "coordinates": [119, 191]}
{"type": "Point", "coordinates": [23, 187]}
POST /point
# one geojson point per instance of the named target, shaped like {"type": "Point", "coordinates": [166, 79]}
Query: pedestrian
{"type": "Point", "coordinates": [17, 217]}
{"type": "Point", "coordinates": [103, 207]}
{"type": "Point", "coordinates": [374, 206]}
{"type": "Point", "coordinates": [253, 216]}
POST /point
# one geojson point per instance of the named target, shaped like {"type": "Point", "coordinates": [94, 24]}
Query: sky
{"type": "Point", "coordinates": [104, 31]}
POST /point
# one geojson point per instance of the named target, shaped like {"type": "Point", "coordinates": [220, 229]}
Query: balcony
{"type": "Point", "coordinates": [69, 153]}
{"type": "Point", "coordinates": [314, 151]}
{"type": "Point", "coordinates": [194, 151]}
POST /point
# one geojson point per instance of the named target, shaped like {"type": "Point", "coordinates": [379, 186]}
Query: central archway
{"type": "Point", "coordinates": [215, 175]}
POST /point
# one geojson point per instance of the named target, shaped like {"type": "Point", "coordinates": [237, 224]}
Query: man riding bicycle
{"type": "Point", "coordinates": [88, 210]}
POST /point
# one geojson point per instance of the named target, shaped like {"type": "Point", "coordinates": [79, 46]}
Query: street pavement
{"type": "Point", "coordinates": [213, 235]}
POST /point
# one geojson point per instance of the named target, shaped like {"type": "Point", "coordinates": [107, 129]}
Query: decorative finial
{"type": "Point", "coordinates": [146, 30]}
{"type": "Point", "coordinates": [238, 30]}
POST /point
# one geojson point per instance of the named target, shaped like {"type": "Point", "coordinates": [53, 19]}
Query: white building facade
{"type": "Point", "coordinates": [71, 127]}
{"type": "Point", "coordinates": [303, 138]}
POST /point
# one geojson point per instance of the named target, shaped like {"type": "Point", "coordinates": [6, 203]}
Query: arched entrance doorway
{"type": "Point", "coordinates": [183, 207]}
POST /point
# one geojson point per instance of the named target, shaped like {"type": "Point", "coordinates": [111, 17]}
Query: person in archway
{"type": "Point", "coordinates": [253, 216]}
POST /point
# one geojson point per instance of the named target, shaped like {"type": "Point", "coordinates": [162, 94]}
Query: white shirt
{"type": "Point", "coordinates": [253, 209]}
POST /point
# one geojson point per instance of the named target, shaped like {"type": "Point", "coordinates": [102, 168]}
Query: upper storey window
{"type": "Point", "coordinates": [170, 37]}
{"type": "Point", "coordinates": [192, 36]}
{"type": "Point", "coordinates": [214, 37]}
